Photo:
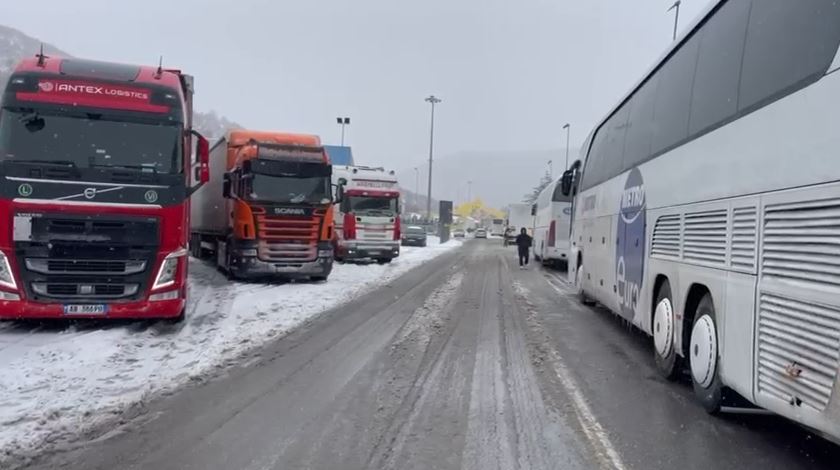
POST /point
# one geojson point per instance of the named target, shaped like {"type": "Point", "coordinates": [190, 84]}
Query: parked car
{"type": "Point", "coordinates": [458, 233]}
{"type": "Point", "coordinates": [480, 233]}
{"type": "Point", "coordinates": [414, 236]}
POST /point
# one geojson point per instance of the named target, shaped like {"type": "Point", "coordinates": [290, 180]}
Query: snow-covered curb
{"type": "Point", "coordinates": [58, 382]}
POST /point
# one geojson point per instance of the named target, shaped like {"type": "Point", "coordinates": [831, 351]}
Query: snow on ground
{"type": "Point", "coordinates": [59, 381]}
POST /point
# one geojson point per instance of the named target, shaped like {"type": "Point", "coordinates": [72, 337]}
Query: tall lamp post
{"type": "Point", "coordinates": [568, 130]}
{"type": "Point", "coordinates": [676, 6]}
{"type": "Point", "coordinates": [551, 169]}
{"type": "Point", "coordinates": [417, 187]}
{"type": "Point", "coordinates": [433, 100]}
{"type": "Point", "coordinates": [342, 121]}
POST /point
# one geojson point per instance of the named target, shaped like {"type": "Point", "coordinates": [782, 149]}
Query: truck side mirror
{"type": "Point", "coordinates": [339, 193]}
{"type": "Point", "coordinates": [533, 209]}
{"type": "Point", "coordinates": [226, 186]}
{"type": "Point", "coordinates": [566, 182]}
{"type": "Point", "coordinates": [202, 150]}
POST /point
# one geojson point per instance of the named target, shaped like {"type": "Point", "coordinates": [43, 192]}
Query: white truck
{"type": "Point", "coordinates": [367, 215]}
{"type": "Point", "coordinates": [497, 227]}
{"type": "Point", "coordinates": [519, 216]}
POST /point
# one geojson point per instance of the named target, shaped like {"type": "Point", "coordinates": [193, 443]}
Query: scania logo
{"type": "Point", "coordinates": [46, 86]}
{"type": "Point", "coordinates": [90, 193]}
{"type": "Point", "coordinates": [289, 211]}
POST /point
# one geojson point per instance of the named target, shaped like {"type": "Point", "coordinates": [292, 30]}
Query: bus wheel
{"type": "Point", "coordinates": [664, 320]}
{"type": "Point", "coordinates": [705, 357]}
{"type": "Point", "coordinates": [584, 299]}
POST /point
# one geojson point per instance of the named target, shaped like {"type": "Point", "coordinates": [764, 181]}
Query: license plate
{"type": "Point", "coordinates": [97, 309]}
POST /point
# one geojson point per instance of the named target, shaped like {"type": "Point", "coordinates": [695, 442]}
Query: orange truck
{"type": "Point", "coordinates": [267, 211]}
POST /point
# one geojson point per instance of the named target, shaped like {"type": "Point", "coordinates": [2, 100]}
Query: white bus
{"type": "Point", "coordinates": [708, 210]}
{"type": "Point", "coordinates": [552, 216]}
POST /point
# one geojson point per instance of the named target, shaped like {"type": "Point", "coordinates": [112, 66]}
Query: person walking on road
{"type": "Point", "coordinates": [523, 243]}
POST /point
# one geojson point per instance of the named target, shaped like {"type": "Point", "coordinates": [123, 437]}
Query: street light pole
{"type": "Point", "coordinates": [342, 121]}
{"type": "Point", "coordinates": [676, 6]}
{"type": "Point", "coordinates": [551, 169]}
{"type": "Point", "coordinates": [417, 186]}
{"type": "Point", "coordinates": [568, 130]}
{"type": "Point", "coordinates": [433, 100]}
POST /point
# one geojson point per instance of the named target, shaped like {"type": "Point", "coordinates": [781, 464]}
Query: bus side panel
{"type": "Point", "coordinates": [737, 323]}
{"type": "Point", "coordinates": [797, 322]}
{"type": "Point", "coordinates": [599, 261]}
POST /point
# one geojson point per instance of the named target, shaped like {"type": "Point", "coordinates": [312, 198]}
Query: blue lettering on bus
{"type": "Point", "coordinates": [630, 249]}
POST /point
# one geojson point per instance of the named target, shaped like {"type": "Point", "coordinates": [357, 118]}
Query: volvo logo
{"type": "Point", "coordinates": [151, 196]}
{"type": "Point", "coordinates": [90, 193]}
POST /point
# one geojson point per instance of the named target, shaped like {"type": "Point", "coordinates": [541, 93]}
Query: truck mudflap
{"type": "Point", "coordinates": [348, 250]}
{"type": "Point", "coordinates": [246, 264]}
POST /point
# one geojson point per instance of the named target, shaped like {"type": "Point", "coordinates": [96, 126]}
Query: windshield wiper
{"type": "Point", "coordinates": [66, 163]}
{"type": "Point", "coordinates": [149, 169]}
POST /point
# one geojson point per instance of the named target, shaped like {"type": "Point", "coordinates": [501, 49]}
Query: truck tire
{"type": "Point", "coordinates": [318, 278]}
{"type": "Point", "coordinates": [384, 260]}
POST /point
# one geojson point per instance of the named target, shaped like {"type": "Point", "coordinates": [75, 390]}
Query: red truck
{"type": "Point", "coordinates": [97, 164]}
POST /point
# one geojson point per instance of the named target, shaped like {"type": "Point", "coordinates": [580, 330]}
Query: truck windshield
{"type": "Point", "coordinates": [289, 189]}
{"type": "Point", "coordinates": [373, 205]}
{"type": "Point", "coordinates": [89, 141]}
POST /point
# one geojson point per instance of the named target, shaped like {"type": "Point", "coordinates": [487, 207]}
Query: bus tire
{"type": "Point", "coordinates": [704, 357]}
{"type": "Point", "coordinates": [663, 325]}
{"type": "Point", "coordinates": [584, 299]}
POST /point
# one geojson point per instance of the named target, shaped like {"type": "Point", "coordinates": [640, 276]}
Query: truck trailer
{"type": "Point", "coordinates": [267, 210]}
{"type": "Point", "coordinates": [97, 165]}
{"type": "Point", "coordinates": [368, 216]}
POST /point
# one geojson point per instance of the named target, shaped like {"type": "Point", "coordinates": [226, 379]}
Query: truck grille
{"type": "Point", "coordinates": [70, 266]}
{"type": "Point", "coordinates": [87, 291]}
{"type": "Point", "coordinates": [74, 258]}
{"type": "Point", "coordinates": [288, 239]}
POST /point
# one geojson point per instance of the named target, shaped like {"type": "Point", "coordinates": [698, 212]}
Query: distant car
{"type": "Point", "coordinates": [458, 233]}
{"type": "Point", "coordinates": [480, 233]}
{"type": "Point", "coordinates": [414, 236]}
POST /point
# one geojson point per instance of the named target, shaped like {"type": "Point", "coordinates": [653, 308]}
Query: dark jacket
{"type": "Point", "coordinates": [523, 241]}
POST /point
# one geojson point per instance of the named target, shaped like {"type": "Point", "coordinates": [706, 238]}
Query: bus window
{"type": "Point", "coordinates": [789, 44]}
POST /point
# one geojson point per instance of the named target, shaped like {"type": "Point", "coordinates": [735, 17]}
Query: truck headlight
{"type": "Point", "coordinates": [6, 277]}
{"type": "Point", "coordinates": [168, 269]}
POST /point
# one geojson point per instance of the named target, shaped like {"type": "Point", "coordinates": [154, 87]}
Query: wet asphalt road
{"type": "Point", "coordinates": [465, 362]}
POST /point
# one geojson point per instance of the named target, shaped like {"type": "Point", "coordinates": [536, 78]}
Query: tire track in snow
{"type": "Point", "coordinates": [595, 433]}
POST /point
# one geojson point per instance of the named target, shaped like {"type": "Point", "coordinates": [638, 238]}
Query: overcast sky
{"type": "Point", "coordinates": [510, 72]}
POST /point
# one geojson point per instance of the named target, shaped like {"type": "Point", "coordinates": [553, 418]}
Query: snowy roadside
{"type": "Point", "coordinates": [58, 382]}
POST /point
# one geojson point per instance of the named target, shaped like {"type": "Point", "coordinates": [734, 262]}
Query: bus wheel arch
{"type": "Point", "coordinates": [701, 347]}
{"type": "Point", "coordinates": [663, 323]}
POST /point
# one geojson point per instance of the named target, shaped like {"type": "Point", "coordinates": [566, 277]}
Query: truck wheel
{"type": "Point", "coordinates": [318, 278]}
{"type": "Point", "coordinates": [383, 260]}
{"type": "Point", "coordinates": [195, 246]}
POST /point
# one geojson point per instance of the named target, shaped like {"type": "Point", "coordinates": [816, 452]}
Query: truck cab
{"type": "Point", "coordinates": [368, 216]}
{"type": "Point", "coordinates": [277, 219]}
{"type": "Point", "coordinates": [96, 172]}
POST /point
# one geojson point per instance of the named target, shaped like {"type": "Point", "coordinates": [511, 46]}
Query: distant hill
{"type": "Point", "coordinates": [15, 45]}
{"type": "Point", "coordinates": [498, 178]}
